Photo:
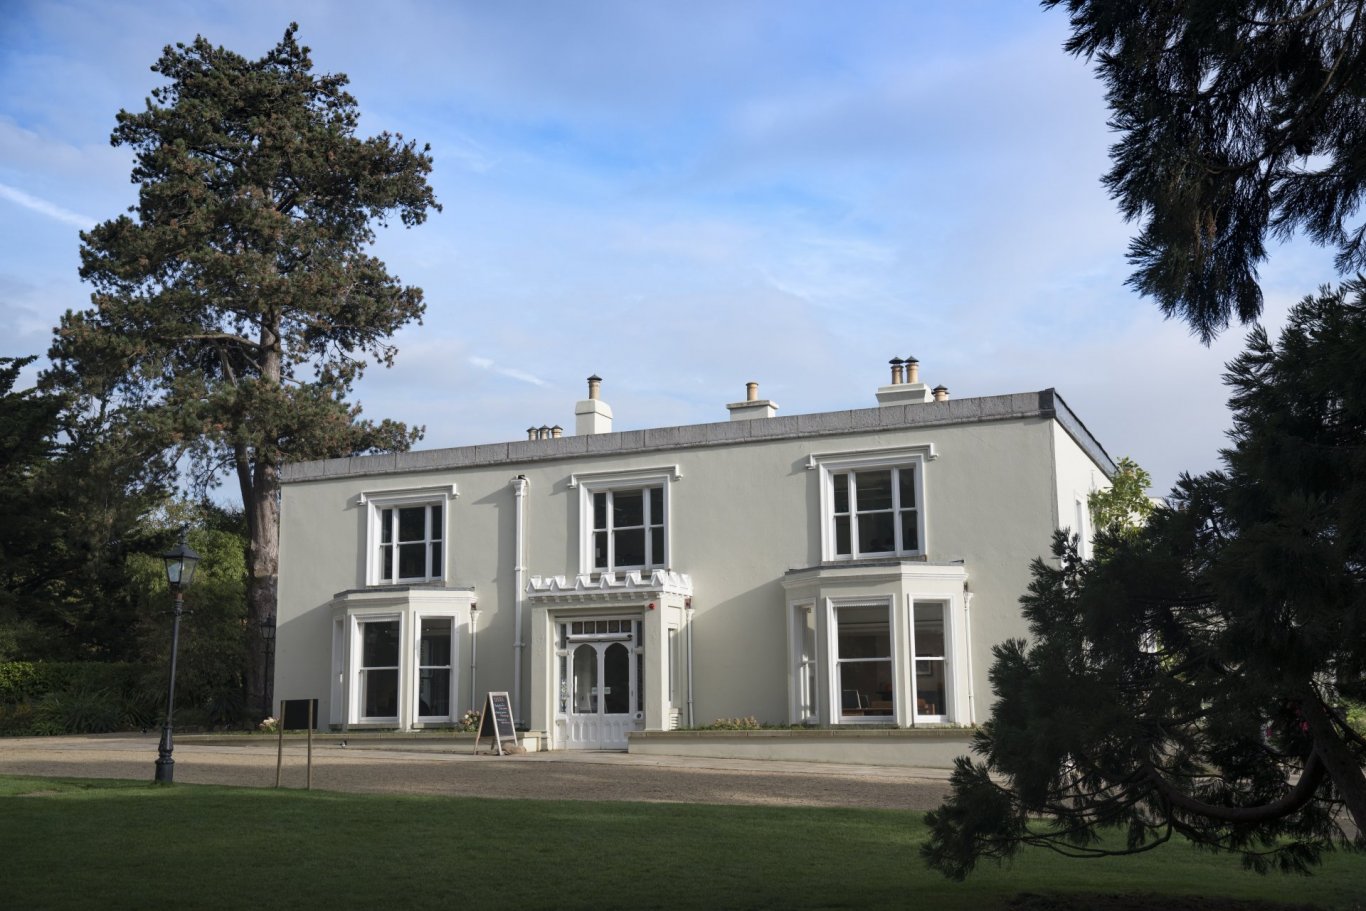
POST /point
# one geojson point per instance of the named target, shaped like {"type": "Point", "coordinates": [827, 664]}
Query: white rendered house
{"type": "Point", "coordinates": [847, 569]}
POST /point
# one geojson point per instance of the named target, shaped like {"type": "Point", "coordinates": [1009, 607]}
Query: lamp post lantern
{"type": "Point", "coordinates": [180, 565]}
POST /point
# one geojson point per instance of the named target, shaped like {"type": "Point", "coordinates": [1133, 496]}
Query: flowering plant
{"type": "Point", "coordinates": [269, 725]}
{"type": "Point", "coordinates": [469, 722]}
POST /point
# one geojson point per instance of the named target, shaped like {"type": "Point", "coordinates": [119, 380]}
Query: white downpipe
{"type": "Point", "coordinates": [967, 631]}
{"type": "Point", "coordinates": [474, 657]}
{"type": "Point", "coordinates": [519, 488]}
{"type": "Point", "coordinates": [688, 608]}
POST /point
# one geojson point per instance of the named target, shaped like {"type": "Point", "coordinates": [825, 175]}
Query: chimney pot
{"type": "Point", "coordinates": [592, 415]}
{"type": "Point", "coordinates": [896, 370]}
{"type": "Point", "coordinates": [941, 393]}
{"type": "Point", "coordinates": [556, 432]}
{"type": "Point", "coordinates": [531, 433]}
{"type": "Point", "coordinates": [751, 391]}
{"type": "Point", "coordinates": [912, 370]}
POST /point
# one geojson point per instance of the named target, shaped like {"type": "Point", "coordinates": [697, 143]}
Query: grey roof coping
{"type": "Point", "coordinates": [1045, 404]}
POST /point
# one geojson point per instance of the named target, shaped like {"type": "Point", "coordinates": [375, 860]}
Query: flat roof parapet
{"type": "Point", "coordinates": [1045, 403]}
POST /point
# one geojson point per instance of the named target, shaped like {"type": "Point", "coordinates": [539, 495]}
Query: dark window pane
{"type": "Point", "coordinates": [628, 508]}
{"type": "Point", "coordinates": [657, 547]}
{"type": "Point", "coordinates": [600, 550]}
{"type": "Point", "coordinates": [435, 648]}
{"type": "Point", "coordinates": [585, 679]}
{"type": "Point", "coordinates": [381, 694]}
{"type": "Point", "coordinates": [840, 482]}
{"type": "Point", "coordinates": [388, 572]}
{"type": "Point", "coordinates": [630, 547]}
{"type": "Point", "coordinates": [437, 523]}
{"type": "Point", "coordinates": [910, 532]}
{"type": "Point", "coordinates": [616, 671]}
{"type": "Point", "coordinates": [379, 644]}
{"type": "Point", "coordinates": [412, 561]}
{"type": "Point", "coordinates": [412, 523]}
{"type": "Point", "coordinates": [842, 546]}
{"type": "Point", "coordinates": [386, 526]}
{"type": "Point", "coordinates": [434, 692]}
{"type": "Point", "coordinates": [863, 632]}
{"type": "Point", "coordinates": [873, 490]}
{"type": "Point", "coordinates": [907, 484]}
{"type": "Point", "coordinates": [436, 559]}
{"type": "Point", "coordinates": [929, 631]}
{"type": "Point", "coordinates": [656, 505]}
{"type": "Point", "coordinates": [875, 533]}
{"type": "Point", "coordinates": [599, 510]}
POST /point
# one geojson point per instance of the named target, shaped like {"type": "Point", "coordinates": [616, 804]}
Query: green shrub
{"type": "Point", "coordinates": [64, 697]}
{"type": "Point", "coordinates": [80, 710]}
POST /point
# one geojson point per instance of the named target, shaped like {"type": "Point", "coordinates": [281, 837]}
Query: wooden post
{"type": "Point", "coordinates": [310, 745]}
{"type": "Point", "coordinates": [280, 740]}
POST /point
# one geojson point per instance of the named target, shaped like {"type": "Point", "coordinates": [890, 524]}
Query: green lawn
{"type": "Point", "coordinates": [112, 844]}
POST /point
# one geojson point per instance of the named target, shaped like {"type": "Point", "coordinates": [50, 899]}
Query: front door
{"type": "Point", "coordinates": [601, 692]}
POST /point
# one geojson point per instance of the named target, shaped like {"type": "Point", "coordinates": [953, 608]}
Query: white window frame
{"type": "Point", "coordinates": [831, 464]}
{"type": "Point", "coordinates": [592, 483]}
{"type": "Point", "coordinates": [946, 659]}
{"type": "Point", "coordinates": [451, 666]}
{"type": "Point", "coordinates": [805, 677]}
{"type": "Point", "coordinates": [832, 608]}
{"type": "Point", "coordinates": [358, 666]}
{"type": "Point", "coordinates": [375, 502]}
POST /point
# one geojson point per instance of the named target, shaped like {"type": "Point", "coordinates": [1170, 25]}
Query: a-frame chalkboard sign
{"type": "Point", "coordinates": [495, 721]}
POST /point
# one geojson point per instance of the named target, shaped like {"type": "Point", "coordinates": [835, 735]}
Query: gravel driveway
{"type": "Point", "coordinates": [250, 762]}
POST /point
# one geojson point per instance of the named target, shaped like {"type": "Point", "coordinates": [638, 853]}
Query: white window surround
{"type": "Point", "coordinates": [409, 608]}
{"type": "Point", "coordinates": [590, 483]}
{"type": "Point", "coordinates": [832, 463]}
{"type": "Point", "coordinates": [837, 696]}
{"type": "Point", "coordinates": [903, 585]}
{"type": "Point", "coordinates": [374, 502]}
{"type": "Point", "coordinates": [356, 665]}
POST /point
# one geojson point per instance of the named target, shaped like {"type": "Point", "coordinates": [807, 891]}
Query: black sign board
{"type": "Point", "coordinates": [495, 721]}
{"type": "Point", "coordinates": [295, 715]}
{"type": "Point", "coordinates": [298, 714]}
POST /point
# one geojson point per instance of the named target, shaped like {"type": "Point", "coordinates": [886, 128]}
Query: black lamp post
{"type": "Point", "coordinates": [180, 564]}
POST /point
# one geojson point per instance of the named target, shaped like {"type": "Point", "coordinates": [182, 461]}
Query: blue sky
{"type": "Point", "coordinates": [679, 197]}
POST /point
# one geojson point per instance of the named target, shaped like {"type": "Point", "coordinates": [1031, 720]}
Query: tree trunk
{"type": "Point", "coordinates": [263, 566]}
{"type": "Point", "coordinates": [1338, 759]}
{"type": "Point", "coordinates": [261, 499]}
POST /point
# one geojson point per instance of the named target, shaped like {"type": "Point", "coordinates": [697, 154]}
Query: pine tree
{"type": "Point", "coordinates": [1237, 119]}
{"type": "Point", "coordinates": [1194, 680]}
{"type": "Point", "coordinates": [236, 304]}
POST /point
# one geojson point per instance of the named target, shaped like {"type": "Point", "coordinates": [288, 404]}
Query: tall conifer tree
{"type": "Point", "coordinates": [236, 303]}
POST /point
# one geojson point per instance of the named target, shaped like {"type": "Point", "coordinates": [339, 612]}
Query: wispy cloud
{"type": "Point", "coordinates": [43, 207]}
{"type": "Point", "coordinates": [484, 363]}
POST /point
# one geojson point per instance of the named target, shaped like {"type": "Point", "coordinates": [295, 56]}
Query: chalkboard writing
{"type": "Point", "coordinates": [495, 722]}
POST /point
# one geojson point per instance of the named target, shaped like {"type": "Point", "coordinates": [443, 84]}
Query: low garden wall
{"type": "Point", "coordinates": [932, 748]}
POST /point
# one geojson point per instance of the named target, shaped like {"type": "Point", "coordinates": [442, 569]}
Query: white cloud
{"type": "Point", "coordinates": [43, 207]}
{"type": "Point", "coordinates": [484, 363]}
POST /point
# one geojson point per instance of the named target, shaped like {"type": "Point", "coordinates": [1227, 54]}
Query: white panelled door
{"type": "Point", "coordinates": [600, 683]}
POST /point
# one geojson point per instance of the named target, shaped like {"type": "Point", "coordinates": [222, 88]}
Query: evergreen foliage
{"type": "Point", "coordinates": [1196, 680]}
{"type": "Point", "coordinates": [236, 304]}
{"type": "Point", "coordinates": [1237, 118]}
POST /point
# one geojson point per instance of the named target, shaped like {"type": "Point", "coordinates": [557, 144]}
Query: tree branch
{"type": "Point", "coordinates": [1301, 794]}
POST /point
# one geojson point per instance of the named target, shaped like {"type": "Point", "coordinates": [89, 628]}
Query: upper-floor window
{"type": "Point", "coordinates": [407, 535]}
{"type": "Point", "coordinates": [628, 528]}
{"type": "Point", "coordinates": [624, 519]}
{"type": "Point", "coordinates": [875, 511]}
{"type": "Point", "coordinates": [872, 501]}
{"type": "Point", "coordinates": [410, 545]}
